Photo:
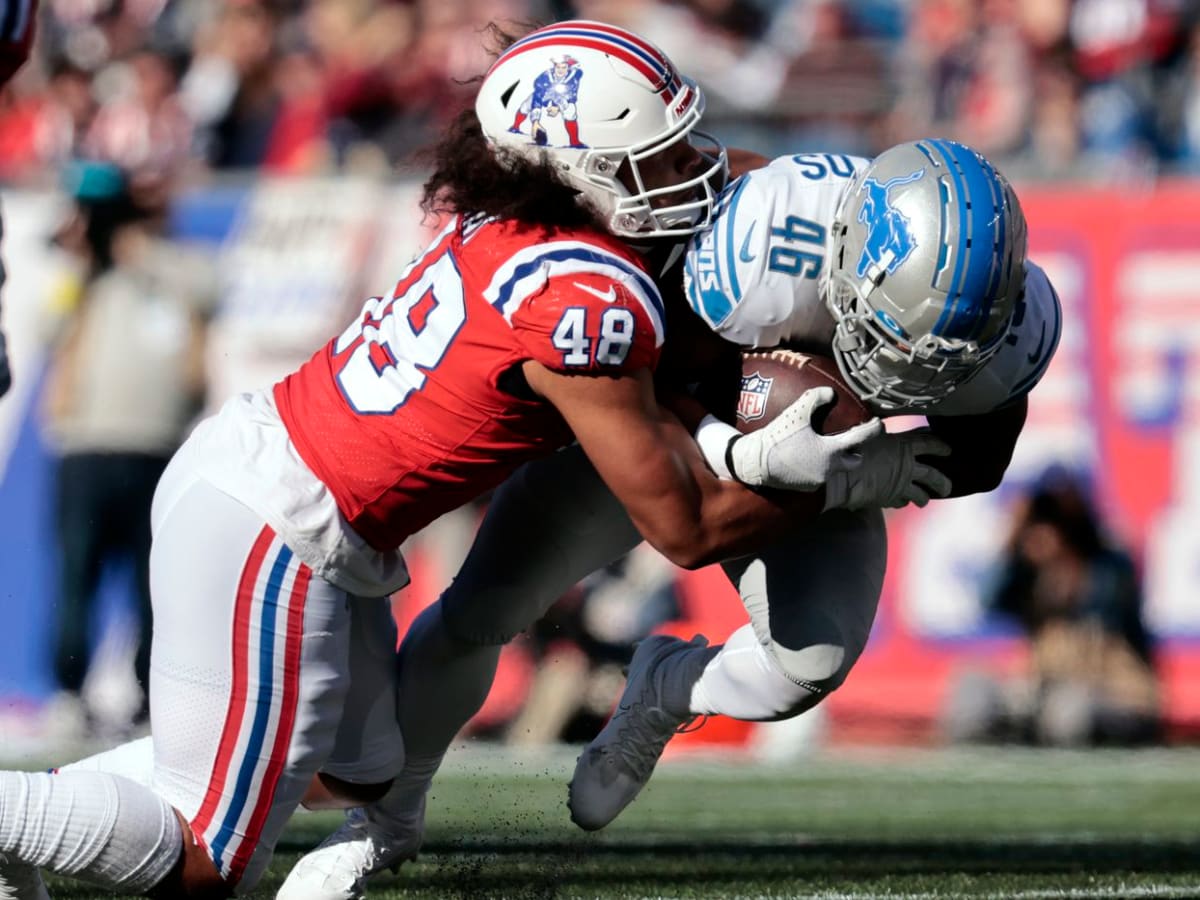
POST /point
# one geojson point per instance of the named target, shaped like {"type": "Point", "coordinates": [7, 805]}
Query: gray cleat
{"type": "Point", "coordinates": [20, 881]}
{"type": "Point", "coordinates": [653, 708]}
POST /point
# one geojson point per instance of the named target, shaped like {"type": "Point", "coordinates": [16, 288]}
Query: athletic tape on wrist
{"type": "Point", "coordinates": [715, 439]}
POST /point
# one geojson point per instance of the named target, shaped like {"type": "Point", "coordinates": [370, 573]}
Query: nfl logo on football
{"type": "Point", "coordinates": [752, 402]}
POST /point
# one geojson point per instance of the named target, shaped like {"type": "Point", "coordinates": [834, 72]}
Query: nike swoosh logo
{"type": "Point", "coordinates": [745, 255]}
{"type": "Point", "coordinates": [608, 297]}
{"type": "Point", "coordinates": [1037, 353]}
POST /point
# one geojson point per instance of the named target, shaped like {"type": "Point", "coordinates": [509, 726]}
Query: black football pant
{"type": "Point", "coordinates": [103, 502]}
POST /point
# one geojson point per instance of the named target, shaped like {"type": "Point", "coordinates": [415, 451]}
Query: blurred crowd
{"type": "Point", "coordinates": [1106, 89]}
{"type": "Point", "coordinates": [1074, 593]}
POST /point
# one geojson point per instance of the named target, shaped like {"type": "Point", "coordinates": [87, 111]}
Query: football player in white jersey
{"type": "Point", "coordinates": [910, 269]}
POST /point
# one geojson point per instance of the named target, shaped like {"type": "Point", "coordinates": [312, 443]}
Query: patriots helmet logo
{"type": "Point", "coordinates": [752, 402]}
{"type": "Point", "coordinates": [889, 240]}
{"type": "Point", "coordinates": [555, 93]}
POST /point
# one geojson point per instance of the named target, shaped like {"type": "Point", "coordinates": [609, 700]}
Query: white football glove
{"type": "Point", "coordinates": [888, 473]}
{"type": "Point", "coordinates": [788, 453]}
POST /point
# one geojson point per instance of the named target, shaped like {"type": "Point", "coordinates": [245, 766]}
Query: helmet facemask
{"type": "Point", "coordinates": [925, 273]}
{"type": "Point", "coordinates": [890, 370]}
{"type": "Point", "coordinates": [630, 209]}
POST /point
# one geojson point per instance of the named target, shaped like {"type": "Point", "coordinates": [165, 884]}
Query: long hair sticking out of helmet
{"type": "Point", "coordinates": [469, 177]}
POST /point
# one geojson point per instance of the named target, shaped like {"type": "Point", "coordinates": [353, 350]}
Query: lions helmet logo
{"type": "Point", "coordinates": [889, 240]}
{"type": "Point", "coordinates": [752, 402]}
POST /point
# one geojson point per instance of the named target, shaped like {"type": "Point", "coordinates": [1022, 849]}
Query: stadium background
{"type": "Point", "coordinates": [301, 187]}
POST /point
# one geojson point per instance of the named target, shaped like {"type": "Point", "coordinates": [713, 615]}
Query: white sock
{"type": "Point", "coordinates": [744, 682]}
{"type": "Point", "coordinates": [133, 760]}
{"type": "Point", "coordinates": [97, 827]}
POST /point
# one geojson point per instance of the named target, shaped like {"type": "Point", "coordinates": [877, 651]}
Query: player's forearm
{"type": "Point", "coordinates": [981, 447]}
{"type": "Point", "coordinates": [694, 518]}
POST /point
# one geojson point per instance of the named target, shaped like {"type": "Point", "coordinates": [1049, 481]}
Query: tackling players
{"type": "Point", "coordinates": [525, 324]}
{"type": "Point", "coordinates": [910, 269]}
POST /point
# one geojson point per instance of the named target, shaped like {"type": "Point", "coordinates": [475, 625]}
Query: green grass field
{"type": "Point", "coordinates": [995, 823]}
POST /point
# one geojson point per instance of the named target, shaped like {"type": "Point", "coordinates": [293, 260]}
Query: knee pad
{"type": "Point", "coordinates": [817, 667]}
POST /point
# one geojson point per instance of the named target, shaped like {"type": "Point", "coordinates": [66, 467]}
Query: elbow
{"type": "Point", "coordinates": [689, 549]}
{"type": "Point", "coordinates": [691, 560]}
{"type": "Point", "coordinates": [682, 554]}
{"type": "Point", "coordinates": [980, 481]}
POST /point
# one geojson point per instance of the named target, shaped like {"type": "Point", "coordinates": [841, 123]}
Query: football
{"type": "Point", "coordinates": [772, 379]}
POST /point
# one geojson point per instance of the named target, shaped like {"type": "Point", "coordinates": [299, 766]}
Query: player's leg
{"type": "Point", "coordinates": [249, 667]}
{"type": "Point", "coordinates": [811, 605]}
{"type": "Point", "coordinates": [812, 599]}
{"type": "Point", "coordinates": [249, 677]}
{"type": "Point", "coordinates": [547, 527]}
{"type": "Point", "coordinates": [81, 544]}
{"type": "Point", "coordinates": [550, 525]}
{"type": "Point", "coordinates": [571, 122]}
{"type": "Point", "coordinates": [368, 750]}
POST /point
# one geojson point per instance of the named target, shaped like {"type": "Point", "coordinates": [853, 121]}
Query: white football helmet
{"type": "Point", "coordinates": [591, 97]}
{"type": "Point", "coordinates": [925, 270]}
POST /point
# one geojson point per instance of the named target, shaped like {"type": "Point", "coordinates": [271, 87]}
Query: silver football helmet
{"type": "Point", "coordinates": [925, 270]}
{"type": "Point", "coordinates": [591, 98]}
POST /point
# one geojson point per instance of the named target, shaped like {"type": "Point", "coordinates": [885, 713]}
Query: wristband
{"type": "Point", "coordinates": [715, 438]}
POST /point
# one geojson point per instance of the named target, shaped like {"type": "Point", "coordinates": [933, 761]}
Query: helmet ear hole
{"type": "Point", "coordinates": [507, 94]}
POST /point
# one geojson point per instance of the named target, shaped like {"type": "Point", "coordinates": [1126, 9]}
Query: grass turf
{"type": "Point", "coordinates": [994, 823]}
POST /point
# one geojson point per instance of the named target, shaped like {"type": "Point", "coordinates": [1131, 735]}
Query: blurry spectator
{"type": "Point", "coordinates": [141, 124]}
{"type": "Point", "coordinates": [1180, 111]}
{"type": "Point", "coordinates": [125, 381]}
{"type": "Point", "coordinates": [230, 91]}
{"type": "Point", "coordinates": [967, 75]}
{"type": "Point", "coordinates": [1123, 50]}
{"type": "Point", "coordinates": [1076, 596]}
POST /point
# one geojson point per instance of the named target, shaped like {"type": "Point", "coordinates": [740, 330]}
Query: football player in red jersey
{"type": "Point", "coordinates": [526, 324]}
{"type": "Point", "coordinates": [556, 504]}
{"type": "Point", "coordinates": [16, 38]}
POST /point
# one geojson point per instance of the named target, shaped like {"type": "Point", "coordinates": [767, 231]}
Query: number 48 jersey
{"type": "Point", "coordinates": [412, 410]}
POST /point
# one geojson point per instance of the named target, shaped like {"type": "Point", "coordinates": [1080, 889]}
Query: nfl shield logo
{"type": "Point", "coordinates": [752, 403]}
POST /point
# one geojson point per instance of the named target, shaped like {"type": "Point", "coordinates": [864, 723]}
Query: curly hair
{"type": "Point", "coordinates": [472, 176]}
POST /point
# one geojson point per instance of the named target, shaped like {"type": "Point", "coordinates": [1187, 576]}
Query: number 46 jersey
{"type": "Point", "coordinates": [754, 275]}
{"type": "Point", "coordinates": [419, 405]}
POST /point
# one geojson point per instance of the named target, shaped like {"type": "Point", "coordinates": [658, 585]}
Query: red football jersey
{"type": "Point", "coordinates": [404, 417]}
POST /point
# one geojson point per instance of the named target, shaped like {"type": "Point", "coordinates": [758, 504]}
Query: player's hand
{"type": "Point", "coordinates": [890, 473]}
{"type": "Point", "coordinates": [788, 453]}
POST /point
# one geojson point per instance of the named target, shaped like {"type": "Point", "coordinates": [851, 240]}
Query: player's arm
{"type": "Point", "coordinates": [981, 447]}
{"type": "Point", "coordinates": [653, 466]}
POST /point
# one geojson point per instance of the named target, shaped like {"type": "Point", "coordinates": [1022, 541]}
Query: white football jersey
{"type": "Point", "coordinates": [754, 276]}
